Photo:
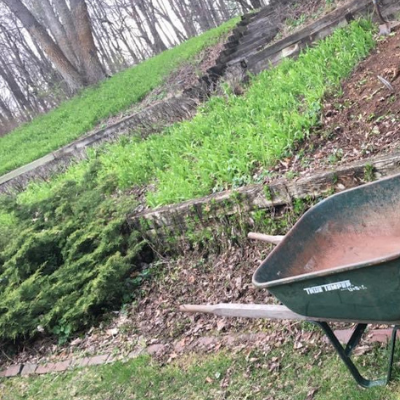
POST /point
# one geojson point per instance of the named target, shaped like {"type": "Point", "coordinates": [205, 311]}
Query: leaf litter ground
{"type": "Point", "coordinates": [155, 322]}
{"type": "Point", "coordinates": [362, 122]}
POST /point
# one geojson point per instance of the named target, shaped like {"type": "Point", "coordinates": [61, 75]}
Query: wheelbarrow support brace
{"type": "Point", "coordinates": [345, 353]}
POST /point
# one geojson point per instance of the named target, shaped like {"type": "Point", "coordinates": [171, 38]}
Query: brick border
{"type": "Point", "coordinates": [26, 370]}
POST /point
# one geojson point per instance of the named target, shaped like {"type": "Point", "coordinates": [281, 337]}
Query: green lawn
{"type": "Point", "coordinates": [80, 114]}
{"type": "Point", "coordinates": [252, 376]}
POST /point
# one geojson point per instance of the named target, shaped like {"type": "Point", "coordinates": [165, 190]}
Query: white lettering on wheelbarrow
{"type": "Point", "coordinates": [344, 285]}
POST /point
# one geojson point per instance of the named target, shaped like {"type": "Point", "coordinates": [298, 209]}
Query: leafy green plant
{"type": "Point", "coordinates": [67, 251]}
{"type": "Point", "coordinates": [232, 138]}
{"type": "Point", "coordinates": [369, 174]}
{"type": "Point", "coordinates": [63, 333]}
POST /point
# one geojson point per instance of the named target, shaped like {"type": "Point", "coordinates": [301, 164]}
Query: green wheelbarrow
{"type": "Point", "coordinates": [340, 262]}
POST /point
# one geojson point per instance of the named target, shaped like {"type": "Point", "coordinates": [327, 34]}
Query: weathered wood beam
{"type": "Point", "coordinates": [265, 238]}
{"type": "Point", "coordinates": [317, 30]}
{"type": "Point", "coordinates": [244, 310]}
{"type": "Point", "coordinates": [280, 193]}
{"type": "Point", "coordinates": [260, 57]}
{"type": "Point", "coordinates": [149, 120]}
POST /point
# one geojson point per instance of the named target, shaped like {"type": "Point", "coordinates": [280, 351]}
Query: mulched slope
{"type": "Point", "coordinates": [363, 122]}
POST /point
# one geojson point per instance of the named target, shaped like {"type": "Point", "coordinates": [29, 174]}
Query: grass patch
{"type": "Point", "coordinates": [220, 376]}
{"type": "Point", "coordinates": [80, 114]}
{"type": "Point", "coordinates": [232, 138]}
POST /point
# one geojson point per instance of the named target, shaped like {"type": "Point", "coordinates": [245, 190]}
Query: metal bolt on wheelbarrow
{"type": "Point", "coordinates": [340, 262]}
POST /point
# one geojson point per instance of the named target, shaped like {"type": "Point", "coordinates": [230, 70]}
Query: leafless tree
{"type": "Point", "coordinates": [74, 80]}
{"type": "Point", "coordinates": [76, 60]}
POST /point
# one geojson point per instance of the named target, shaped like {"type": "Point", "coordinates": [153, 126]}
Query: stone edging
{"type": "Point", "coordinates": [72, 363]}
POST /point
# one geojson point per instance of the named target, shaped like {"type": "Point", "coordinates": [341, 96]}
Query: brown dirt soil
{"type": "Point", "coordinates": [363, 122]}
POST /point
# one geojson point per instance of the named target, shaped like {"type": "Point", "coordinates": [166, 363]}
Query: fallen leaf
{"type": "Point", "coordinates": [311, 393]}
{"type": "Point", "coordinates": [360, 350]}
{"type": "Point", "coordinates": [220, 325]}
{"type": "Point", "coordinates": [298, 345]}
{"type": "Point", "coordinates": [112, 332]}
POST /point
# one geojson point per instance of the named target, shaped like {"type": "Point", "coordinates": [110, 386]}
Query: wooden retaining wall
{"type": "Point", "coordinates": [246, 49]}
{"type": "Point", "coordinates": [150, 120]}
{"type": "Point", "coordinates": [249, 199]}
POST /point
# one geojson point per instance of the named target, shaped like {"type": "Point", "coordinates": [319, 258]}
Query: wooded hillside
{"type": "Point", "coordinates": [50, 49]}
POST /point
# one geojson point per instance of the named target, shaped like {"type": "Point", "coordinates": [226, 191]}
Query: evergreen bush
{"type": "Point", "coordinates": [67, 258]}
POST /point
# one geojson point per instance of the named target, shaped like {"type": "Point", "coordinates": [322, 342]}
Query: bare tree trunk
{"type": "Point", "coordinates": [159, 44]}
{"type": "Point", "coordinates": [37, 104]}
{"type": "Point", "coordinates": [256, 3]}
{"type": "Point", "coordinates": [138, 49]}
{"type": "Point", "coordinates": [163, 13]}
{"type": "Point", "coordinates": [224, 10]}
{"type": "Point", "coordinates": [121, 30]}
{"type": "Point", "coordinates": [6, 112]}
{"type": "Point", "coordinates": [182, 12]}
{"type": "Point", "coordinates": [67, 70]}
{"type": "Point", "coordinates": [94, 71]}
{"type": "Point", "coordinates": [202, 15]}
{"type": "Point", "coordinates": [214, 12]}
{"type": "Point", "coordinates": [133, 12]}
{"type": "Point", "coordinates": [15, 89]}
{"type": "Point", "coordinates": [104, 51]}
{"type": "Point", "coordinates": [170, 41]}
{"type": "Point", "coordinates": [68, 23]}
{"type": "Point", "coordinates": [244, 5]}
{"type": "Point", "coordinates": [106, 30]}
{"type": "Point", "coordinates": [129, 48]}
{"type": "Point", "coordinates": [57, 30]}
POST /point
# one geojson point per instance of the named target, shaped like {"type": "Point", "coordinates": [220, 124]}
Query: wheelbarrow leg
{"type": "Point", "coordinates": [344, 353]}
{"type": "Point", "coordinates": [355, 338]}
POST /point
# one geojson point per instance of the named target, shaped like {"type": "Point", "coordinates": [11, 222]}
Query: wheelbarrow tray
{"type": "Point", "coordinates": [342, 258]}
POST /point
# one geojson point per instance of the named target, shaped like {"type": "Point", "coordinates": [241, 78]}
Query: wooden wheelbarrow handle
{"type": "Point", "coordinates": [244, 310]}
{"type": "Point", "coordinates": [266, 238]}
{"type": "Point", "coordinates": [267, 311]}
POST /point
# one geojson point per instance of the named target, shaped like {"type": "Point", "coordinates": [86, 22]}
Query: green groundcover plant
{"type": "Point", "coordinates": [232, 138]}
